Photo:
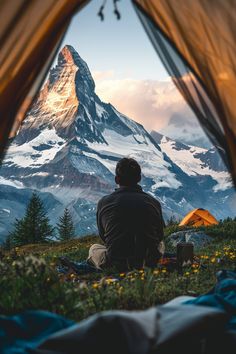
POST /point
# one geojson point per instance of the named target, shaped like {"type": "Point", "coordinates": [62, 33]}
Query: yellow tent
{"type": "Point", "coordinates": [198, 217]}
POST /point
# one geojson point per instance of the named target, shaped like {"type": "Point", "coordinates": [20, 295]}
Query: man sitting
{"type": "Point", "coordinates": [130, 223]}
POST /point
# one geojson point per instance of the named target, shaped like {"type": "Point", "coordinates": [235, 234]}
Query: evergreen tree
{"type": "Point", "coordinates": [65, 227]}
{"type": "Point", "coordinates": [172, 221]}
{"type": "Point", "coordinates": [8, 243]}
{"type": "Point", "coordinates": [34, 227]}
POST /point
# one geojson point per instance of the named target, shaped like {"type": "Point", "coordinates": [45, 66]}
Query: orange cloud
{"type": "Point", "coordinates": [150, 103]}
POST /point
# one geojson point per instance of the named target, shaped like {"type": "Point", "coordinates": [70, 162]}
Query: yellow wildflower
{"type": "Point", "coordinates": [194, 265]}
{"type": "Point", "coordinates": [95, 285]}
{"type": "Point", "coordinates": [187, 273]}
{"type": "Point", "coordinates": [120, 289]}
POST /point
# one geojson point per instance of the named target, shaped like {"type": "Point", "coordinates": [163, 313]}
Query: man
{"type": "Point", "coordinates": [130, 223]}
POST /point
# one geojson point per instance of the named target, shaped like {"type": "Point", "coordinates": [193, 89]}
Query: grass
{"type": "Point", "coordinates": [29, 279]}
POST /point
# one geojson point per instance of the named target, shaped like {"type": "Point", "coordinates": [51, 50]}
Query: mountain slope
{"type": "Point", "coordinates": [195, 161]}
{"type": "Point", "coordinates": [70, 142]}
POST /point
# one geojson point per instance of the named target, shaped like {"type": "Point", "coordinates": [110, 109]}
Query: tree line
{"type": "Point", "coordinates": [35, 226]}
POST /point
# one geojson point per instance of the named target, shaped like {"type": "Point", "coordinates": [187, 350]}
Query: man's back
{"type": "Point", "coordinates": [130, 223]}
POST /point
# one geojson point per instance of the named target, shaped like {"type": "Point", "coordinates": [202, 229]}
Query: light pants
{"type": "Point", "coordinates": [98, 254]}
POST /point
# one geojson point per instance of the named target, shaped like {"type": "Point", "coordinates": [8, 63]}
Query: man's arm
{"type": "Point", "coordinates": [159, 221]}
{"type": "Point", "coordinates": [99, 222]}
{"type": "Point", "coordinates": [163, 222]}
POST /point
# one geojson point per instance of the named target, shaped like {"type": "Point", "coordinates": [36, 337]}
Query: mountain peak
{"type": "Point", "coordinates": [68, 55]}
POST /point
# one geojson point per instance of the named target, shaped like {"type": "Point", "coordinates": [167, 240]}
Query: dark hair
{"type": "Point", "coordinates": [128, 171]}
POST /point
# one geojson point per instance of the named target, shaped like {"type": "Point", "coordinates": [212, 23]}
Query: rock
{"type": "Point", "coordinates": [199, 238]}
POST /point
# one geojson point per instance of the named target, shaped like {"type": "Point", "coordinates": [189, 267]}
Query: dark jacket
{"type": "Point", "coordinates": [130, 223]}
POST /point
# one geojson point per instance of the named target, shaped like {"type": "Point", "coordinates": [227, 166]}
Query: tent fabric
{"type": "Point", "coordinates": [30, 34]}
{"type": "Point", "coordinates": [198, 217]}
{"type": "Point", "coordinates": [156, 330]}
{"type": "Point", "coordinates": [196, 42]}
{"type": "Point", "coordinates": [22, 332]}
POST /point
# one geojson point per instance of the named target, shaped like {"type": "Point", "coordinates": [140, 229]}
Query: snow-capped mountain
{"type": "Point", "coordinates": [195, 160]}
{"type": "Point", "coordinates": [70, 142]}
{"type": "Point", "coordinates": [184, 127]}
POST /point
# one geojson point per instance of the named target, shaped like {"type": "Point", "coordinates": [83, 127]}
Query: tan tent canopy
{"type": "Point", "coordinates": [198, 217]}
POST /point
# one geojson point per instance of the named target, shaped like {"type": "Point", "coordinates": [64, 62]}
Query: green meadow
{"type": "Point", "coordinates": [29, 278]}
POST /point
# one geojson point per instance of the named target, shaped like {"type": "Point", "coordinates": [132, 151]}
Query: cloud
{"type": "Point", "coordinates": [102, 75]}
{"type": "Point", "coordinates": [151, 103]}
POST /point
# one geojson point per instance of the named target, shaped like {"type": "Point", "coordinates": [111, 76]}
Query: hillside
{"type": "Point", "coordinates": [30, 279]}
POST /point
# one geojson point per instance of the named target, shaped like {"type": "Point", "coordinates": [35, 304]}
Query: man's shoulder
{"type": "Point", "coordinates": [104, 199]}
{"type": "Point", "coordinates": [118, 193]}
{"type": "Point", "coordinates": [152, 199]}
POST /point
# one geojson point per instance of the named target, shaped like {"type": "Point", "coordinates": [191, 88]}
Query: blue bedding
{"type": "Point", "coordinates": [21, 332]}
{"type": "Point", "coordinates": [222, 297]}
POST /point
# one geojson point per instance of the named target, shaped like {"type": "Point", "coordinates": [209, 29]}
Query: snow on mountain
{"type": "Point", "coordinates": [39, 151]}
{"type": "Point", "coordinates": [191, 160]}
{"type": "Point", "coordinates": [70, 142]}
{"type": "Point", "coordinates": [184, 127]}
{"type": "Point", "coordinates": [143, 150]}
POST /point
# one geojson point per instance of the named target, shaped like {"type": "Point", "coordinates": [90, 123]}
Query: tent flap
{"type": "Point", "coordinates": [30, 34]}
{"type": "Point", "coordinates": [196, 42]}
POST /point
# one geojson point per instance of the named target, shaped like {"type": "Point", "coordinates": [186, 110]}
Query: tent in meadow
{"type": "Point", "coordinates": [198, 217]}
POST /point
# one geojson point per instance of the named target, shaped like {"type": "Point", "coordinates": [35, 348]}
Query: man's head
{"type": "Point", "coordinates": [128, 172]}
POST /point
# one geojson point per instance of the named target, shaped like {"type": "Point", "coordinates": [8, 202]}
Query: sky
{"type": "Point", "coordinates": [121, 47]}
{"type": "Point", "coordinates": [127, 71]}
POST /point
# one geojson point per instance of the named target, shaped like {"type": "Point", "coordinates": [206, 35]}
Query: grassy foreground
{"type": "Point", "coordinates": [29, 278]}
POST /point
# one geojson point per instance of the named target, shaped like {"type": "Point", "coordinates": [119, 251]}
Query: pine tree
{"type": "Point", "coordinates": [172, 221]}
{"type": "Point", "coordinates": [34, 227]}
{"type": "Point", "coordinates": [8, 243]}
{"type": "Point", "coordinates": [65, 227]}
